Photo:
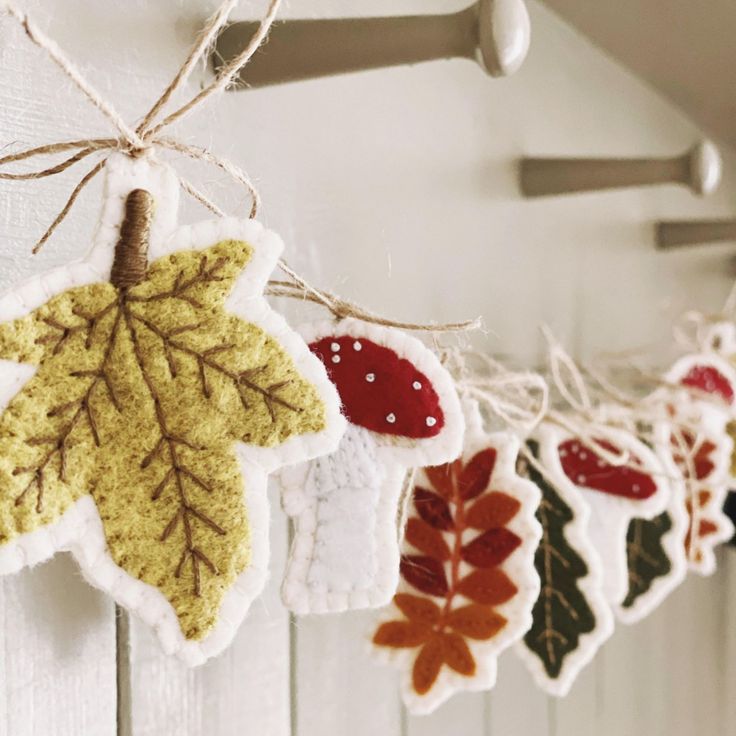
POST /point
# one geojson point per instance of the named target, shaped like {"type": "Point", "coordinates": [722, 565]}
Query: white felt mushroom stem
{"type": "Point", "coordinates": [345, 551]}
{"type": "Point", "coordinates": [607, 528]}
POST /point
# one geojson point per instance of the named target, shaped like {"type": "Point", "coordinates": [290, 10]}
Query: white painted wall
{"type": "Point", "coordinates": [396, 188]}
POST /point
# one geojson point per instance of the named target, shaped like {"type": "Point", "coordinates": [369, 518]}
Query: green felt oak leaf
{"type": "Point", "coordinates": [141, 392]}
{"type": "Point", "coordinates": [647, 558]}
{"type": "Point", "coordinates": [561, 614]}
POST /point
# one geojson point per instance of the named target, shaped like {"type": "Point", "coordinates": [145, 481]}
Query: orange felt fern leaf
{"type": "Point", "coordinates": [458, 604]}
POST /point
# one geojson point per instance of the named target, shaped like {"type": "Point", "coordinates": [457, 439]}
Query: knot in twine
{"type": "Point", "coordinates": [520, 399]}
{"type": "Point", "coordinates": [147, 137]}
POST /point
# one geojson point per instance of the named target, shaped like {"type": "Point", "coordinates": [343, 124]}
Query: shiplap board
{"type": "Point", "coordinates": [339, 688]}
{"type": "Point", "coordinates": [516, 707]}
{"type": "Point", "coordinates": [57, 654]}
{"type": "Point", "coordinates": [396, 188]}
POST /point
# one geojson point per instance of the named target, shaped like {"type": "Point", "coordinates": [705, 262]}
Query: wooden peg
{"type": "Point", "coordinates": [495, 33]}
{"type": "Point", "coordinates": [676, 233]}
{"type": "Point", "coordinates": [699, 168]}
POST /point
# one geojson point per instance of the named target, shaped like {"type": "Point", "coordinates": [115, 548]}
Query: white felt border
{"type": "Point", "coordinates": [79, 529]}
{"type": "Point", "coordinates": [443, 447]}
{"type": "Point", "coordinates": [549, 437]}
{"type": "Point", "coordinates": [519, 566]}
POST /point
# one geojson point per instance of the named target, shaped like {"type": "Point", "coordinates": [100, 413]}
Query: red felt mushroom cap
{"type": "Point", "coordinates": [709, 379]}
{"type": "Point", "coordinates": [586, 468]}
{"type": "Point", "coordinates": [380, 390]}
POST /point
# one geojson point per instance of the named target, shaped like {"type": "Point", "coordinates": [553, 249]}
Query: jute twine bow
{"type": "Point", "coordinates": [147, 137]}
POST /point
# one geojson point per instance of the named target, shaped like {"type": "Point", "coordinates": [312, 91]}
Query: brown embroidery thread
{"type": "Point", "coordinates": [131, 252]}
{"type": "Point", "coordinates": [83, 409]}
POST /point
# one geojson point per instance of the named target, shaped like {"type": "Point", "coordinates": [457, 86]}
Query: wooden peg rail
{"type": "Point", "coordinates": [495, 33]}
{"type": "Point", "coordinates": [676, 233]}
{"type": "Point", "coordinates": [700, 169]}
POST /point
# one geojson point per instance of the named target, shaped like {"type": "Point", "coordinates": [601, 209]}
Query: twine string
{"type": "Point", "coordinates": [641, 417]}
{"type": "Point", "coordinates": [519, 399]}
{"type": "Point", "coordinates": [566, 376]}
{"type": "Point", "coordinates": [204, 40]}
{"type": "Point", "coordinates": [40, 39]}
{"type": "Point", "coordinates": [147, 137]}
{"type": "Point", "coordinates": [227, 73]}
{"type": "Point", "coordinates": [583, 422]}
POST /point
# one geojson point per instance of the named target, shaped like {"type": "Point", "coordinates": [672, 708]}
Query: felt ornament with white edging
{"type": "Point", "coordinates": [146, 402]}
{"type": "Point", "coordinates": [402, 411]}
{"type": "Point", "coordinates": [706, 455]}
{"type": "Point", "coordinates": [655, 548]}
{"type": "Point", "coordinates": [571, 618]}
{"type": "Point", "coordinates": [468, 576]}
{"type": "Point", "coordinates": [721, 337]}
{"type": "Point", "coordinates": [638, 488]}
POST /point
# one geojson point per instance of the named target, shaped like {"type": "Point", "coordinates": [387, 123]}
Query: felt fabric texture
{"type": "Point", "coordinates": [615, 495]}
{"type": "Point", "coordinates": [468, 576]}
{"type": "Point", "coordinates": [571, 618]}
{"type": "Point", "coordinates": [656, 558]}
{"type": "Point", "coordinates": [380, 390]}
{"type": "Point", "coordinates": [345, 551]}
{"type": "Point", "coordinates": [707, 474]}
{"type": "Point", "coordinates": [166, 404]}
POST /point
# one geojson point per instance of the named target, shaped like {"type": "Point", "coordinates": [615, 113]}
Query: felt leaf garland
{"type": "Point", "coordinates": [468, 578]}
{"type": "Point", "coordinates": [571, 618]}
{"type": "Point", "coordinates": [402, 411]}
{"type": "Point", "coordinates": [143, 388]}
{"type": "Point", "coordinates": [615, 495]}
{"type": "Point", "coordinates": [704, 459]}
{"type": "Point", "coordinates": [655, 547]}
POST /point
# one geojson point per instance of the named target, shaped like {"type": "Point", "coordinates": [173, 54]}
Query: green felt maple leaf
{"type": "Point", "coordinates": [142, 389]}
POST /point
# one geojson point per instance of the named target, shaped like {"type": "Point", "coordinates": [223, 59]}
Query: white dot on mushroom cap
{"type": "Point", "coordinates": [431, 421]}
{"type": "Point", "coordinates": [370, 377]}
{"type": "Point", "coordinates": [581, 479]}
{"type": "Point", "coordinates": [335, 358]}
{"type": "Point", "coordinates": [335, 347]}
{"type": "Point", "coordinates": [357, 346]}
{"type": "Point", "coordinates": [583, 455]}
{"type": "Point", "coordinates": [391, 418]}
{"type": "Point", "coordinates": [416, 385]}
